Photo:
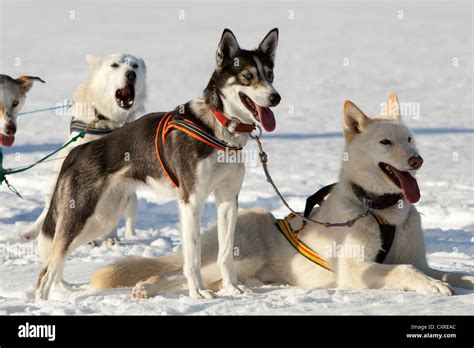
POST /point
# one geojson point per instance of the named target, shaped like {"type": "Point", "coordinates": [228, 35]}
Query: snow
{"type": "Point", "coordinates": [413, 56]}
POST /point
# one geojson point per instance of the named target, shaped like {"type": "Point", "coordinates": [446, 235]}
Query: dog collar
{"type": "Point", "coordinates": [373, 201]}
{"type": "Point", "coordinates": [79, 126]}
{"type": "Point", "coordinates": [240, 127]}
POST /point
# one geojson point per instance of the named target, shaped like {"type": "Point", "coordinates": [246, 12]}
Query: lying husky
{"type": "Point", "coordinates": [12, 98]}
{"type": "Point", "coordinates": [176, 152]}
{"type": "Point", "coordinates": [113, 95]}
{"type": "Point", "coordinates": [382, 163]}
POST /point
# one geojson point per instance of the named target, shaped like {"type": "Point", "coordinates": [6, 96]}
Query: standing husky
{"type": "Point", "coordinates": [12, 98]}
{"type": "Point", "coordinates": [97, 178]}
{"type": "Point", "coordinates": [112, 97]}
{"type": "Point", "coordinates": [382, 163]}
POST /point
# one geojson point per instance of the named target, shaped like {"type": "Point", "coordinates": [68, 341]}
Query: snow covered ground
{"type": "Point", "coordinates": [421, 50]}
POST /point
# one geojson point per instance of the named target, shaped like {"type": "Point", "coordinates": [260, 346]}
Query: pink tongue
{"type": "Point", "coordinates": [410, 188]}
{"type": "Point", "coordinates": [6, 140]}
{"type": "Point", "coordinates": [267, 119]}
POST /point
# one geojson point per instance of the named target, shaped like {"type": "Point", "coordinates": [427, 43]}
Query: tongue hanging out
{"type": "Point", "coordinates": [262, 114]}
{"type": "Point", "coordinates": [405, 181]}
{"type": "Point", "coordinates": [6, 140]}
{"type": "Point", "coordinates": [267, 119]}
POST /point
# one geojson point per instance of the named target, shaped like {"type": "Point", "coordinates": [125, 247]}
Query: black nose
{"type": "Point", "coordinates": [274, 99]}
{"type": "Point", "coordinates": [10, 128]}
{"type": "Point", "coordinates": [131, 75]}
{"type": "Point", "coordinates": [415, 162]}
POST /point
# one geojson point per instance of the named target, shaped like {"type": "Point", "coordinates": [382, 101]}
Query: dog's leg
{"type": "Point", "coordinates": [227, 206]}
{"type": "Point", "coordinates": [190, 216]}
{"type": "Point", "coordinates": [52, 272]}
{"type": "Point", "coordinates": [370, 275]}
{"type": "Point", "coordinates": [130, 214]}
{"type": "Point", "coordinates": [458, 280]}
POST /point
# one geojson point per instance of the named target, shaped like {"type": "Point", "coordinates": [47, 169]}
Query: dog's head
{"type": "Point", "coordinates": [12, 97]}
{"type": "Point", "coordinates": [383, 157]}
{"type": "Point", "coordinates": [244, 79]}
{"type": "Point", "coordinates": [118, 84]}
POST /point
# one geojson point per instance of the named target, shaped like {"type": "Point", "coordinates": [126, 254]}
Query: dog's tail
{"type": "Point", "coordinates": [131, 270]}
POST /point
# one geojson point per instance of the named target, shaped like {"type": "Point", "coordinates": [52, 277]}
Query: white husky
{"type": "Point", "coordinates": [113, 95]}
{"type": "Point", "coordinates": [382, 163]}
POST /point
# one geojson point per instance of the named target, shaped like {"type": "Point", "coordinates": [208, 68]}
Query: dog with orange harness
{"type": "Point", "coordinates": [175, 152]}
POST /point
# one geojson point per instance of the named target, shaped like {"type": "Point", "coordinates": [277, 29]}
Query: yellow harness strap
{"type": "Point", "coordinates": [285, 228]}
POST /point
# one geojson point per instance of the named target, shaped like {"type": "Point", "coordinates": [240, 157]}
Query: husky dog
{"type": "Point", "coordinates": [98, 177]}
{"type": "Point", "coordinates": [382, 163]}
{"type": "Point", "coordinates": [12, 98]}
{"type": "Point", "coordinates": [114, 94]}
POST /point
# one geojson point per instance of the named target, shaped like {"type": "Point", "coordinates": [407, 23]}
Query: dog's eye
{"type": "Point", "coordinates": [386, 142]}
{"type": "Point", "coordinates": [409, 139]}
{"type": "Point", "coordinates": [248, 76]}
{"type": "Point", "coordinates": [15, 103]}
{"type": "Point", "coordinates": [135, 66]}
{"type": "Point", "coordinates": [115, 65]}
{"type": "Point", "coordinates": [270, 75]}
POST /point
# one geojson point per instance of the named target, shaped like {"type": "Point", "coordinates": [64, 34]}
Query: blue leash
{"type": "Point", "coordinates": [62, 106]}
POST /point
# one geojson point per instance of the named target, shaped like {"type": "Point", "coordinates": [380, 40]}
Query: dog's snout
{"type": "Point", "coordinates": [274, 99]}
{"type": "Point", "coordinates": [131, 75]}
{"type": "Point", "coordinates": [10, 128]}
{"type": "Point", "coordinates": [415, 161]}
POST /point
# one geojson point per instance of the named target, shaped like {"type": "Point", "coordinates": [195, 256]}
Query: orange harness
{"type": "Point", "coordinates": [168, 122]}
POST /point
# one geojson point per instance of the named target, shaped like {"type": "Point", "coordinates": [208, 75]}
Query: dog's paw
{"type": "Point", "coordinates": [467, 282]}
{"type": "Point", "coordinates": [202, 294]}
{"type": "Point", "coordinates": [435, 286]}
{"type": "Point", "coordinates": [234, 290]}
{"type": "Point", "coordinates": [142, 290]}
{"type": "Point", "coordinates": [109, 242]}
{"type": "Point", "coordinates": [28, 236]}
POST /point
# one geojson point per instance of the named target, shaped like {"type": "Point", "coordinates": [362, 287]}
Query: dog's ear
{"type": "Point", "coordinates": [26, 82]}
{"type": "Point", "coordinates": [269, 44]}
{"type": "Point", "coordinates": [227, 49]}
{"type": "Point", "coordinates": [393, 107]}
{"type": "Point", "coordinates": [143, 63]}
{"type": "Point", "coordinates": [354, 120]}
{"type": "Point", "coordinates": [93, 61]}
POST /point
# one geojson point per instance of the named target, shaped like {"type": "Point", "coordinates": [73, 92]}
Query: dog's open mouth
{"type": "Point", "coordinates": [404, 180]}
{"type": "Point", "coordinates": [6, 140]}
{"type": "Point", "coordinates": [125, 96]}
{"type": "Point", "coordinates": [262, 115]}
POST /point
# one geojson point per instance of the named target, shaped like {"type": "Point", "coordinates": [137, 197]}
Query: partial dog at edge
{"type": "Point", "coordinates": [99, 180]}
{"type": "Point", "coordinates": [12, 98]}
{"type": "Point", "coordinates": [114, 95]}
{"type": "Point", "coordinates": [383, 159]}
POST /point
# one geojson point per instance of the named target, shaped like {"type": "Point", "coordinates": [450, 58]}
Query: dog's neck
{"type": "Point", "coordinates": [202, 109]}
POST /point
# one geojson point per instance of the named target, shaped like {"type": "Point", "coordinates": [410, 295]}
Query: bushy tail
{"type": "Point", "coordinates": [131, 270]}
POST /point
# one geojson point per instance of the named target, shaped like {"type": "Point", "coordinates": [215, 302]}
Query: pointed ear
{"type": "Point", "coordinates": [269, 44]}
{"type": "Point", "coordinates": [393, 107]}
{"type": "Point", "coordinates": [143, 63]}
{"type": "Point", "coordinates": [227, 49]}
{"type": "Point", "coordinates": [26, 82]}
{"type": "Point", "coordinates": [354, 120]}
{"type": "Point", "coordinates": [93, 61]}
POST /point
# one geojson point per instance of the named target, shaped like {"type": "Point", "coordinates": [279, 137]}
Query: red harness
{"type": "Point", "coordinates": [186, 125]}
